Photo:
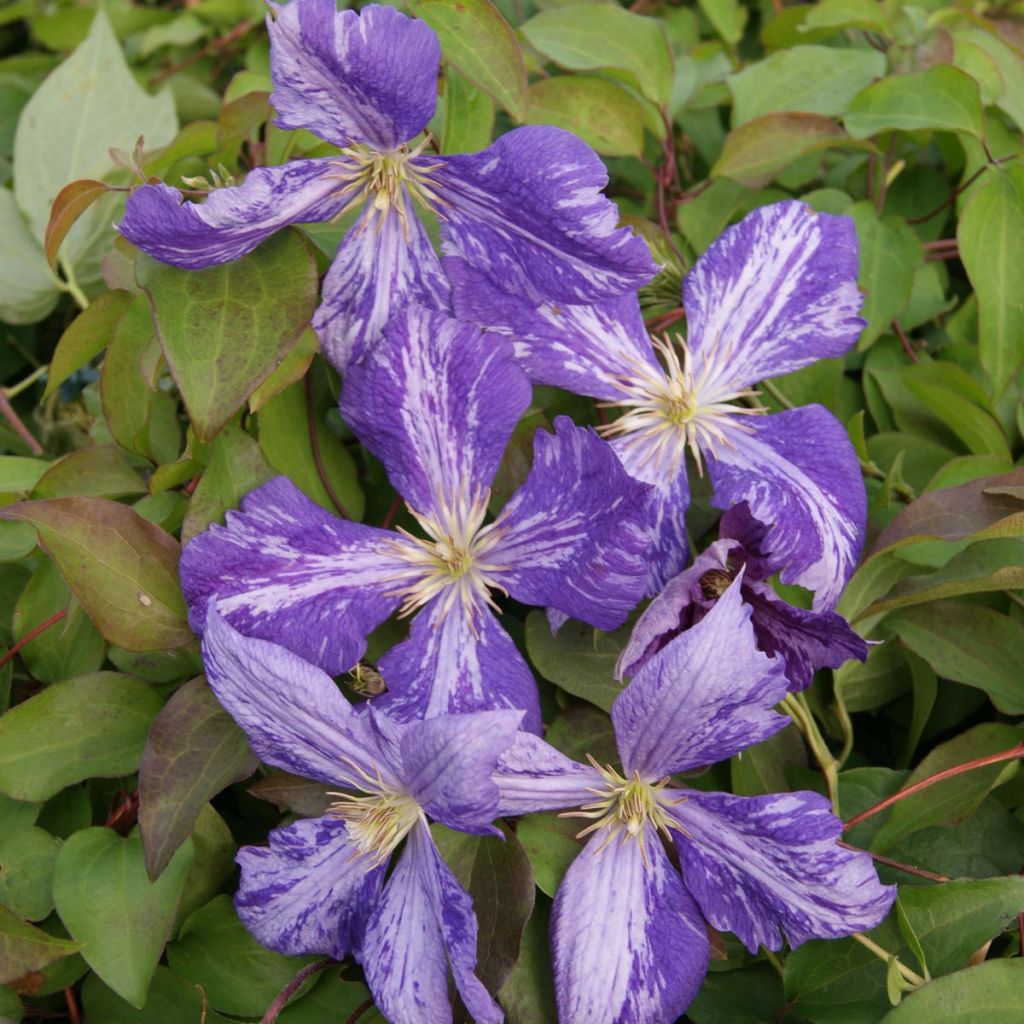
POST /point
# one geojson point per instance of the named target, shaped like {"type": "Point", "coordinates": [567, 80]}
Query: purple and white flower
{"type": "Point", "coordinates": [804, 640]}
{"type": "Point", "coordinates": [628, 931]}
{"type": "Point", "coordinates": [437, 405]}
{"type": "Point", "coordinates": [322, 885]}
{"type": "Point", "coordinates": [527, 211]}
{"type": "Point", "coordinates": [774, 293]}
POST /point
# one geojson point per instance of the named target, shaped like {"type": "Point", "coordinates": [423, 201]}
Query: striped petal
{"type": "Point", "coordinates": [628, 941]}
{"type": "Point", "coordinates": [529, 213]}
{"type": "Point", "coordinates": [533, 776]}
{"type": "Point", "coordinates": [774, 293]}
{"type": "Point", "coordinates": [766, 865]}
{"type": "Point", "coordinates": [348, 77]}
{"type": "Point", "coordinates": [800, 476]}
{"type": "Point", "coordinates": [572, 535]}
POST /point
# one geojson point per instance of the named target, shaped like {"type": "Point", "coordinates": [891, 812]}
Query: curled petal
{"type": "Point", "coordinates": [369, 77]}
{"type": "Point", "coordinates": [765, 864]}
{"type": "Point", "coordinates": [231, 221]}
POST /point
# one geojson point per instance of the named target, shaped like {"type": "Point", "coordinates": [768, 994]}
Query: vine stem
{"type": "Point", "coordinates": [359, 1011]}
{"type": "Point", "coordinates": [932, 876]}
{"type": "Point", "coordinates": [32, 634]}
{"type": "Point", "coordinates": [948, 773]}
{"type": "Point", "coordinates": [913, 977]}
{"type": "Point", "coordinates": [291, 988]}
{"type": "Point", "coordinates": [18, 425]}
{"type": "Point", "coordinates": [314, 442]}
{"type": "Point", "coordinates": [800, 712]}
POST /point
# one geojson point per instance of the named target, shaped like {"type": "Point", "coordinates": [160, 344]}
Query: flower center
{"type": "Point", "coordinates": [675, 409]}
{"type": "Point", "coordinates": [715, 582]}
{"type": "Point", "coordinates": [452, 561]}
{"type": "Point", "coordinates": [625, 806]}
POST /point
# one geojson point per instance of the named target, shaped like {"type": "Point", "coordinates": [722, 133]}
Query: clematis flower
{"type": "Point", "coordinates": [527, 211]}
{"type": "Point", "coordinates": [437, 406]}
{"type": "Point", "coordinates": [322, 885]}
{"type": "Point", "coordinates": [804, 640]}
{"type": "Point", "coordinates": [628, 929]}
{"type": "Point", "coordinates": [774, 293]}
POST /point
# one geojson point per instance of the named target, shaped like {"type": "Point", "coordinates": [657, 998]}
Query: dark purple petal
{"type": "Point", "coordinates": [760, 864]}
{"type": "Point", "coordinates": [533, 776]}
{"type": "Point", "coordinates": [294, 714]}
{"type": "Point", "coordinates": [572, 536]}
{"type": "Point", "coordinates": [231, 221]}
{"type": "Point", "coordinates": [451, 665]}
{"type": "Point", "coordinates": [283, 569]}
{"type": "Point", "coordinates": [774, 293]}
{"type": "Point", "coordinates": [447, 764]}
{"type": "Point", "coordinates": [348, 77]}
{"type": "Point", "coordinates": [308, 892]}
{"type": "Point", "coordinates": [737, 524]}
{"type": "Point", "coordinates": [436, 403]}
{"type": "Point", "coordinates": [706, 695]}
{"type": "Point", "coordinates": [804, 640]}
{"type": "Point", "coordinates": [629, 943]}
{"type": "Point", "coordinates": [381, 266]}
{"type": "Point", "coordinates": [528, 212]}
{"type": "Point", "coordinates": [799, 474]}
{"type": "Point", "coordinates": [582, 348]}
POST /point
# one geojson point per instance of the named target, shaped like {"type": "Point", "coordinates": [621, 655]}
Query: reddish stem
{"type": "Point", "coordinates": [392, 512]}
{"type": "Point", "coordinates": [899, 865]}
{"type": "Point", "coordinates": [69, 997]}
{"type": "Point", "coordinates": [17, 425]}
{"type": "Point", "coordinates": [665, 320]}
{"type": "Point", "coordinates": [291, 988]}
{"type": "Point", "coordinates": [31, 635]}
{"type": "Point", "coordinates": [948, 773]}
{"type": "Point", "coordinates": [359, 1011]}
{"type": "Point", "coordinates": [905, 342]}
{"type": "Point", "coordinates": [235, 35]}
{"type": "Point", "coordinates": [314, 442]}
{"type": "Point", "coordinates": [939, 244]}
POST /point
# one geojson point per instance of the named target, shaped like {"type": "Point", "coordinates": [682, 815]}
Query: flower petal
{"type": "Point", "coordinates": [381, 265]}
{"type": "Point", "coordinates": [286, 570]}
{"type": "Point", "coordinates": [582, 348]}
{"type": "Point", "coordinates": [231, 221]}
{"type": "Point", "coordinates": [307, 892]}
{"type": "Point", "coordinates": [572, 535]}
{"type": "Point", "coordinates": [760, 864]}
{"type": "Point", "coordinates": [437, 405]}
{"type": "Point", "coordinates": [447, 764]}
{"type": "Point", "coordinates": [629, 944]}
{"type": "Point", "coordinates": [774, 293]}
{"type": "Point", "coordinates": [450, 665]}
{"type": "Point", "coordinates": [294, 715]}
{"type": "Point", "coordinates": [533, 776]}
{"type": "Point", "coordinates": [348, 77]}
{"type": "Point", "coordinates": [799, 474]}
{"type": "Point", "coordinates": [528, 212]}
{"type": "Point", "coordinates": [691, 705]}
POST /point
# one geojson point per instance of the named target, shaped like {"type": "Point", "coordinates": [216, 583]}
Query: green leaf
{"type": "Point", "coordinates": [468, 116]}
{"type": "Point", "coordinates": [477, 40]}
{"type": "Point", "coordinates": [100, 471]}
{"type": "Point", "coordinates": [27, 857]}
{"type": "Point", "coordinates": [812, 79]}
{"type": "Point", "coordinates": [729, 17]}
{"type": "Point", "coordinates": [955, 798]}
{"type": "Point", "coordinates": [109, 905]}
{"type": "Point", "coordinates": [761, 769]}
{"type": "Point", "coordinates": [24, 948]}
{"type": "Point", "coordinates": [925, 690]}
{"type": "Point", "coordinates": [988, 992]}
{"type": "Point", "coordinates": [194, 750]}
{"type": "Point", "coordinates": [91, 727]}
{"type": "Point", "coordinates": [237, 974]}
{"type": "Point", "coordinates": [873, 683]}
{"type": "Point", "coordinates": [835, 14]}
{"type": "Point", "coordinates": [528, 995]}
{"type": "Point", "coordinates": [550, 843]}
{"type": "Point", "coordinates": [293, 793]}
{"type": "Point", "coordinates": [590, 37]}
{"type": "Point", "coordinates": [942, 98]}
{"type": "Point", "coordinates": [19, 474]}
{"type": "Point", "coordinates": [225, 329]}
{"type": "Point", "coordinates": [122, 568]}
{"type": "Point", "coordinates": [602, 113]}
{"type": "Point", "coordinates": [28, 289]}
{"type": "Point", "coordinates": [169, 1000]}
{"type": "Point", "coordinates": [991, 240]}
{"type": "Point", "coordinates": [89, 104]}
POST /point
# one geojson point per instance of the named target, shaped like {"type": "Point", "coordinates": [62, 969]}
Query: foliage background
{"type": "Point", "coordinates": [141, 402]}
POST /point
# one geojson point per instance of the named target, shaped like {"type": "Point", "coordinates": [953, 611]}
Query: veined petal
{"type": "Point", "coordinates": [629, 943]}
{"type": "Point", "coordinates": [283, 569]}
{"type": "Point", "coordinates": [307, 892]}
{"type": "Point", "coordinates": [447, 764]}
{"type": "Point", "coordinates": [691, 705]}
{"type": "Point", "coordinates": [452, 665]}
{"type": "Point", "coordinates": [774, 293]}
{"type": "Point", "coordinates": [293, 714]}
{"type": "Point", "coordinates": [528, 212]}
{"type": "Point", "coordinates": [533, 776]}
{"type": "Point", "coordinates": [231, 221]}
{"type": "Point", "coordinates": [436, 403]}
{"type": "Point", "coordinates": [799, 474]}
{"type": "Point", "coordinates": [382, 265]}
{"type": "Point", "coordinates": [348, 77]}
{"type": "Point", "coordinates": [758, 865]}
{"type": "Point", "coordinates": [572, 536]}
{"type": "Point", "coordinates": [582, 348]}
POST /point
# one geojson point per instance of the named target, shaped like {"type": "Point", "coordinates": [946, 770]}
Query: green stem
{"type": "Point", "coordinates": [774, 960]}
{"type": "Point", "coordinates": [772, 389]}
{"type": "Point", "coordinates": [908, 975]}
{"type": "Point", "coordinates": [843, 714]}
{"type": "Point", "coordinates": [25, 384]}
{"type": "Point", "coordinates": [800, 712]}
{"type": "Point", "coordinates": [70, 285]}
